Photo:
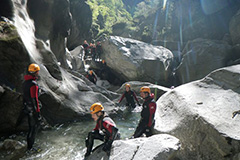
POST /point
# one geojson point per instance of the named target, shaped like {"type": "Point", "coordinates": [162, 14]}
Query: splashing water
{"type": "Point", "coordinates": [25, 28]}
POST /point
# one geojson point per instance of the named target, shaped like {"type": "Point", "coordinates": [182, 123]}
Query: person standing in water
{"type": "Point", "coordinates": [146, 122]}
{"type": "Point", "coordinates": [31, 103]}
{"type": "Point", "coordinates": [130, 96]}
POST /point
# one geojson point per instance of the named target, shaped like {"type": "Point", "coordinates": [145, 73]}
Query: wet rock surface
{"type": "Point", "coordinates": [157, 147]}
{"type": "Point", "coordinates": [200, 115]}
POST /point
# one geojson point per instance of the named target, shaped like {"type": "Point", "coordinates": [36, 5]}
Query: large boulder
{"type": "Point", "coordinates": [157, 147]}
{"type": "Point", "coordinates": [81, 23]}
{"type": "Point", "coordinates": [134, 60]}
{"type": "Point", "coordinates": [200, 115]}
{"type": "Point", "coordinates": [13, 56]}
{"type": "Point", "coordinates": [200, 57]}
{"type": "Point", "coordinates": [10, 108]}
{"type": "Point", "coordinates": [234, 28]}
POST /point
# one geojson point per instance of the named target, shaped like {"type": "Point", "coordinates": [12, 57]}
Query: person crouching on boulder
{"type": "Point", "coordinates": [146, 122]}
{"type": "Point", "coordinates": [91, 77]}
{"type": "Point", "coordinates": [105, 129]}
{"type": "Point", "coordinates": [129, 94]}
{"type": "Point", "coordinates": [31, 103]}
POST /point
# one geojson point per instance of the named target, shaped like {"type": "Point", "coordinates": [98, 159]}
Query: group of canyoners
{"type": "Point", "coordinates": [105, 129]}
{"type": "Point", "coordinates": [92, 50]}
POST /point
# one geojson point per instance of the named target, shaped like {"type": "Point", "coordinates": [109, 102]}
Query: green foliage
{"type": "Point", "coordinates": [146, 7]}
{"type": "Point", "coordinates": [8, 32]}
{"type": "Point", "coordinates": [106, 13]}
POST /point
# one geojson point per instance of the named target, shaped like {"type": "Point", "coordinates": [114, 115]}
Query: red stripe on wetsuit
{"type": "Point", "coordinates": [152, 110]}
{"type": "Point", "coordinates": [34, 94]}
{"type": "Point", "coordinates": [107, 125]}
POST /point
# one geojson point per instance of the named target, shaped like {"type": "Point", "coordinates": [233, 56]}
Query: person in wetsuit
{"type": "Point", "coordinates": [31, 103]}
{"type": "Point", "coordinates": [105, 129]}
{"type": "Point", "coordinates": [86, 47]}
{"type": "Point", "coordinates": [130, 96]}
{"type": "Point", "coordinates": [91, 77]}
{"type": "Point", "coordinates": [146, 122]}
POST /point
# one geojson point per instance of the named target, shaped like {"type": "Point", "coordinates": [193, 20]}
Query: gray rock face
{"type": "Point", "coordinates": [234, 28]}
{"type": "Point", "coordinates": [81, 23]}
{"type": "Point", "coordinates": [200, 57]}
{"type": "Point", "coordinates": [157, 147]}
{"type": "Point", "coordinates": [52, 20]}
{"type": "Point", "coordinates": [134, 60]}
{"type": "Point", "coordinates": [10, 108]}
{"type": "Point", "coordinates": [13, 56]}
{"type": "Point", "coordinates": [75, 57]}
{"type": "Point", "coordinates": [200, 115]}
{"type": "Point", "coordinates": [69, 99]}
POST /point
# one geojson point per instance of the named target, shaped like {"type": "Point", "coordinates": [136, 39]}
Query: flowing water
{"type": "Point", "coordinates": [67, 141]}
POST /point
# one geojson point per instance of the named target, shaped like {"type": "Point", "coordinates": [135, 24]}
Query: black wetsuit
{"type": "Point", "coordinates": [86, 47]}
{"type": "Point", "coordinates": [31, 107]}
{"type": "Point", "coordinates": [105, 130]}
{"type": "Point", "coordinates": [130, 95]}
{"type": "Point", "coordinates": [146, 122]}
{"type": "Point", "coordinates": [92, 78]}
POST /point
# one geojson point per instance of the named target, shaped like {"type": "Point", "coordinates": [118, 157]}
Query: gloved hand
{"type": "Point", "coordinates": [139, 104]}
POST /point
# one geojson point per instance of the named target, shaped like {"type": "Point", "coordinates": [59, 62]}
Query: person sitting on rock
{"type": "Point", "coordinates": [105, 129]}
{"type": "Point", "coordinates": [31, 103]}
{"type": "Point", "coordinates": [146, 122]}
{"type": "Point", "coordinates": [130, 96]}
{"type": "Point", "coordinates": [91, 77]}
{"type": "Point", "coordinates": [86, 47]}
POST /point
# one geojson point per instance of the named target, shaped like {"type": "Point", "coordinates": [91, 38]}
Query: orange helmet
{"type": "Point", "coordinates": [91, 72]}
{"type": "Point", "coordinates": [32, 68]}
{"type": "Point", "coordinates": [127, 85]}
{"type": "Point", "coordinates": [96, 107]}
{"type": "Point", "coordinates": [103, 61]}
{"type": "Point", "coordinates": [145, 89]}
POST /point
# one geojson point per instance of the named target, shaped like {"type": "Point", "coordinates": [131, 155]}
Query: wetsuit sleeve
{"type": "Point", "coordinates": [152, 110]}
{"type": "Point", "coordinates": [34, 96]}
{"type": "Point", "coordinates": [123, 95]}
{"type": "Point", "coordinates": [134, 95]}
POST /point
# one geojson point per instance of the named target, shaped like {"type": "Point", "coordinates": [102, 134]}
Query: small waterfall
{"type": "Point", "coordinates": [25, 27]}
